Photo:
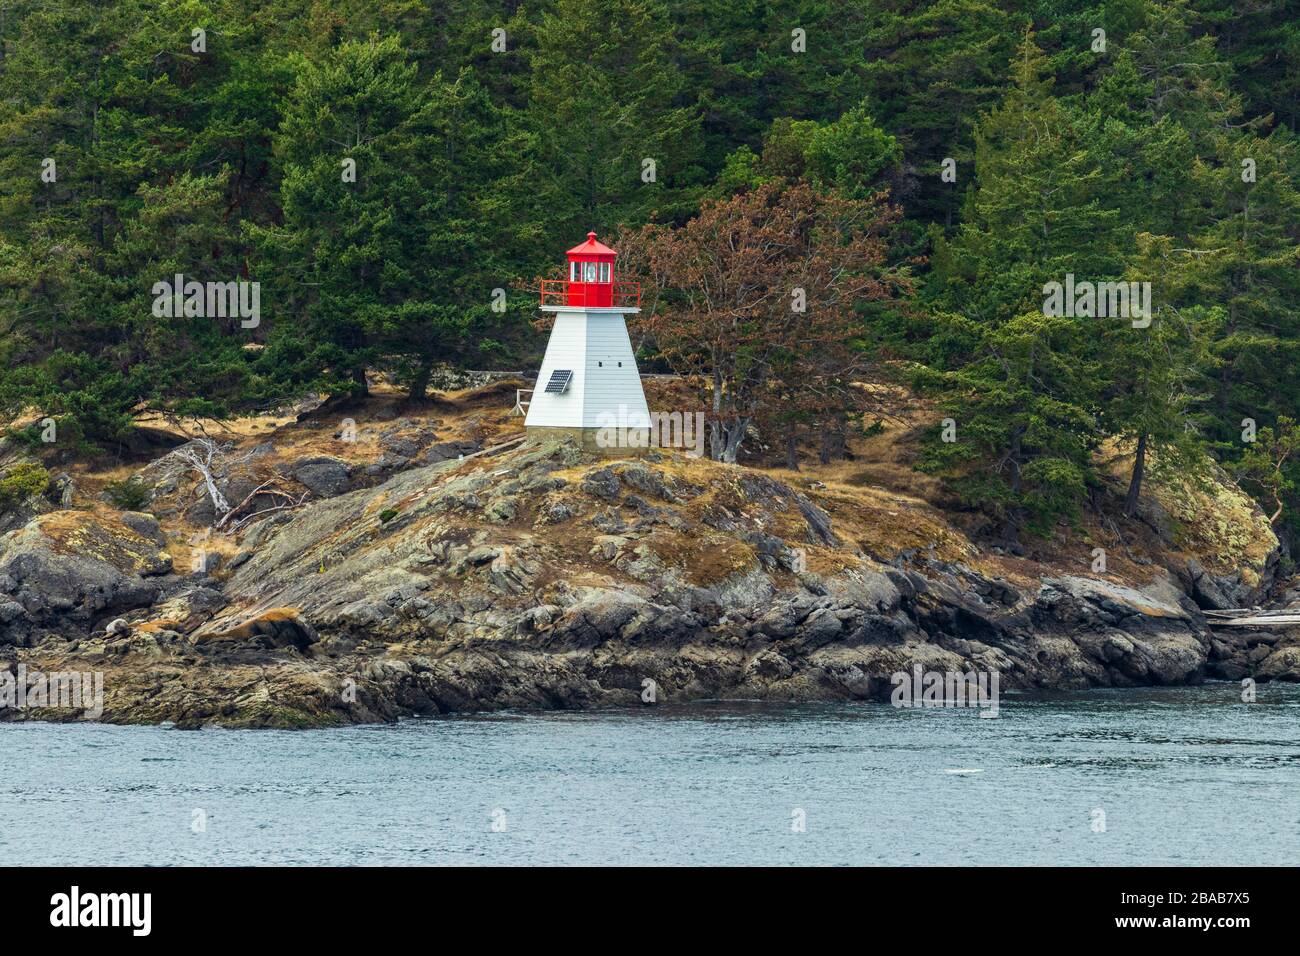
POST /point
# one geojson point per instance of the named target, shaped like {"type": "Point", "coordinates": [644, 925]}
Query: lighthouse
{"type": "Point", "coordinates": [589, 387]}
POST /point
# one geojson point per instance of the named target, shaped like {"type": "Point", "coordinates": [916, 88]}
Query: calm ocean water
{"type": "Point", "coordinates": [1183, 776]}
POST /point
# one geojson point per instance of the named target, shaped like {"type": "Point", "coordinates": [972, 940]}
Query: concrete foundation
{"type": "Point", "coordinates": [613, 442]}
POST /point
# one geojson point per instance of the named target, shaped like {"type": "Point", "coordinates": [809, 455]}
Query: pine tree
{"type": "Point", "coordinates": [617, 138]}
{"type": "Point", "coordinates": [1021, 386]}
{"type": "Point", "coordinates": [932, 68]}
{"type": "Point", "coordinates": [1151, 364]}
{"type": "Point", "coordinates": [1244, 259]}
{"type": "Point", "coordinates": [1261, 39]}
{"type": "Point", "coordinates": [100, 110]}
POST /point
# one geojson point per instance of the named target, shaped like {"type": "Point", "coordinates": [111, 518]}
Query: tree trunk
{"type": "Point", "coordinates": [716, 445]}
{"type": "Point", "coordinates": [361, 387]}
{"type": "Point", "coordinates": [1135, 483]}
{"type": "Point", "coordinates": [792, 447]}
{"type": "Point", "coordinates": [1015, 514]}
{"type": "Point", "coordinates": [832, 443]}
{"type": "Point", "coordinates": [420, 384]}
{"type": "Point", "coordinates": [735, 433]}
{"type": "Point", "coordinates": [204, 467]}
{"type": "Point", "coordinates": [1014, 463]}
{"type": "Point", "coordinates": [1010, 533]}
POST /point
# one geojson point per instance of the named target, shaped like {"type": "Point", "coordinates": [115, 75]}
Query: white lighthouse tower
{"type": "Point", "coordinates": [589, 387]}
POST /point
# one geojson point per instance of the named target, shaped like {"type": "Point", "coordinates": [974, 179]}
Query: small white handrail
{"type": "Point", "coordinates": [521, 406]}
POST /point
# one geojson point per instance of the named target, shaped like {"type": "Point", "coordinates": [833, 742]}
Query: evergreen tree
{"type": "Point", "coordinates": [1244, 260]}
{"type": "Point", "coordinates": [617, 140]}
{"type": "Point", "coordinates": [100, 107]}
{"type": "Point", "coordinates": [932, 68]}
{"type": "Point", "coordinates": [1151, 364]}
{"type": "Point", "coordinates": [1021, 386]}
{"type": "Point", "coordinates": [1261, 39]}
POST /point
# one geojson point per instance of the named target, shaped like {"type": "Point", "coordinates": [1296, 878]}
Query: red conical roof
{"type": "Point", "coordinates": [591, 248]}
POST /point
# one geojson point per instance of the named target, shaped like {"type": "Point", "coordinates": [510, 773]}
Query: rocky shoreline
{"type": "Point", "coordinates": [540, 578]}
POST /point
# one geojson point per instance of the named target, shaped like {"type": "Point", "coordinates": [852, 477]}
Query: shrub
{"type": "Point", "coordinates": [25, 479]}
{"type": "Point", "coordinates": [129, 494]}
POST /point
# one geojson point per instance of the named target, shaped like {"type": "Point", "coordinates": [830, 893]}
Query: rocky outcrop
{"type": "Point", "coordinates": [536, 578]}
{"type": "Point", "coordinates": [275, 628]}
{"type": "Point", "coordinates": [322, 475]}
{"type": "Point", "coordinates": [1215, 520]}
{"type": "Point", "coordinates": [65, 571]}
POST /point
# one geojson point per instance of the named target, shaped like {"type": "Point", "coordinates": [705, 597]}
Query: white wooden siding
{"type": "Point", "coordinates": [591, 344]}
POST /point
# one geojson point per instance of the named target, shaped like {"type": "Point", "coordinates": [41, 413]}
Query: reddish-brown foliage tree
{"type": "Point", "coordinates": [759, 296]}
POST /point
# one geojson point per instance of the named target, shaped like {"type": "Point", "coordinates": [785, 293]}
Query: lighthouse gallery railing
{"type": "Point", "coordinates": [626, 295]}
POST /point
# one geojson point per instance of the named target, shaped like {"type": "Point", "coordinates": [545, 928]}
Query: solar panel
{"type": "Point", "coordinates": [559, 383]}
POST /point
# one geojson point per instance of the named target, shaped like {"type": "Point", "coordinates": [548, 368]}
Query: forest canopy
{"type": "Point", "coordinates": [1070, 225]}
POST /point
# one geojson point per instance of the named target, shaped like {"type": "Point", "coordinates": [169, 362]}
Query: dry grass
{"type": "Point", "coordinates": [98, 533]}
{"type": "Point", "coordinates": [879, 505]}
{"type": "Point", "coordinates": [1213, 521]}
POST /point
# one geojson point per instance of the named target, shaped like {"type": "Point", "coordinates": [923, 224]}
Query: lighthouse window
{"type": "Point", "coordinates": [589, 272]}
{"type": "Point", "coordinates": [604, 272]}
{"type": "Point", "coordinates": [573, 272]}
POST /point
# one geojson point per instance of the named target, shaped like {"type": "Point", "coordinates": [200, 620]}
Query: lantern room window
{"type": "Point", "coordinates": [590, 282]}
{"type": "Point", "coordinates": [589, 271]}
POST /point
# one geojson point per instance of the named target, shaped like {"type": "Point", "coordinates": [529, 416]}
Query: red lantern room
{"type": "Point", "coordinates": [591, 273]}
{"type": "Point", "coordinates": [590, 280]}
